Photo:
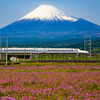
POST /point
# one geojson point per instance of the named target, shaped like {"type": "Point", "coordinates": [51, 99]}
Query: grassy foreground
{"type": "Point", "coordinates": [50, 81]}
{"type": "Point", "coordinates": [59, 64]}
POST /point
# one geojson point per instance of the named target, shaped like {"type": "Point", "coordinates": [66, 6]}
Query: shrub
{"type": "Point", "coordinates": [37, 64]}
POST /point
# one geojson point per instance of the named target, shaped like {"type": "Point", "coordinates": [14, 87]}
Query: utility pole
{"type": "Point", "coordinates": [0, 47]}
{"type": "Point", "coordinates": [24, 53]}
{"type": "Point", "coordinates": [84, 43]}
{"type": "Point", "coordinates": [87, 42]}
{"type": "Point", "coordinates": [90, 45]}
{"type": "Point", "coordinates": [6, 49]}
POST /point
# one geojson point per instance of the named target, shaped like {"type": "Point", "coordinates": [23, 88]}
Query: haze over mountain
{"type": "Point", "coordinates": [48, 23]}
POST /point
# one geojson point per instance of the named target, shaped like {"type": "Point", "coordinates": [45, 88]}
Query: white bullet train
{"type": "Point", "coordinates": [43, 50]}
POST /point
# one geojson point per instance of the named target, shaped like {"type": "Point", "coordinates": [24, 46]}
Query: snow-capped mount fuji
{"type": "Point", "coordinates": [48, 23]}
{"type": "Point", "coordinates": [48, 12]}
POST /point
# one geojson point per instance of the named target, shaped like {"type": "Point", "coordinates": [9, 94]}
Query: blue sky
{"type": "Point", "coordinates": [12, 10]}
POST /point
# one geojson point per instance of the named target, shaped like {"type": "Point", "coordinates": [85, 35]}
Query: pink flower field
{"type": "Point", "coordinates": [50, 83]}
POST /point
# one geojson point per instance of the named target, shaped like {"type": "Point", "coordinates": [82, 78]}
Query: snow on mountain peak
{"type": "Point", "coordinates": [48, 12]}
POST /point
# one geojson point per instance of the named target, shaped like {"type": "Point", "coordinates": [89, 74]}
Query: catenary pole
{"type": "Point", "coordinates": [90, 45]}
{"type": "Point", "coordinates": [6, 49]}
{"type": "Point", "coordinates": [0, 47]}
{"type": "Point", "coordinates": [84, 42]}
